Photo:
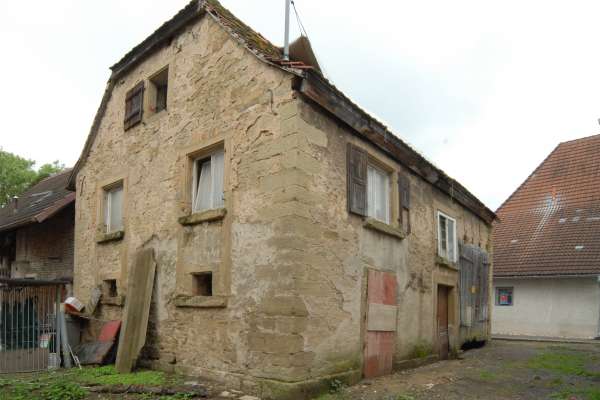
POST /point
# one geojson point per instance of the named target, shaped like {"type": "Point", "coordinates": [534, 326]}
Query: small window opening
{"type": "Point", "coordinates": [160, 84]}
{"type": "Point", "coordinates": [504, 296]}
{"type": "Point", "coordinates": [110, 288]}
{"type": "Point", "coordinates": [207, 187]}
{"type": "Point", "coordinates": [202, 284]}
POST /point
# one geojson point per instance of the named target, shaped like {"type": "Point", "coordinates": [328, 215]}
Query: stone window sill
{"type": "Point", "coordinates": [384, 228]}
{"type": "Point", "coordinates": [445, 263]}
{"type": "Point", "coordinates": [113, 301]}
{"type": "Point", "coordinates": [204, 216]}
{"type": "Point", "coordinates": [110, 237]}
{"type": "Point", "coordinates": [201, 301]}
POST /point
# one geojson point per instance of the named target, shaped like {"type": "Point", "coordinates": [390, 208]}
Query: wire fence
{"type": "Point", "coordinates": [28, 328]}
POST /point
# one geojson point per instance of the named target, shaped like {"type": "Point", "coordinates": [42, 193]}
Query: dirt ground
{"type": "Point", "coordinates": [501, 370]}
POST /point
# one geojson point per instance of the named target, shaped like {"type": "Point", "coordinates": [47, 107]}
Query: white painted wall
{"type": "Point", "coordinates": [554, 307]}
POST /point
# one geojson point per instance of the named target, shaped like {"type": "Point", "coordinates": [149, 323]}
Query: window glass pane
{"type": "Point", "coordinates": [203, 198]}
{"type": "Point", "coordinates": [451, 240]}
{"type": "Point", "coordinates": [217, 164]}
{"type": "Point", "coordinates": [442, 232]}
{"type": "Point", "coordinates": [115, 209]}
{"type": "Point", "coordinates": [505, 297]}
{"type": "Point", "coordinates": [378, 195]}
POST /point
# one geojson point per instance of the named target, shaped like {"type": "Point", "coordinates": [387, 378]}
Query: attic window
{"type": "Point", "coordinates": [134, 101]}
{"type": "Point", "coordinates": [158, 93]}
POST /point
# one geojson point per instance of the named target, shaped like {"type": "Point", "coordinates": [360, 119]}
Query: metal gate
{"type": "Point", "coordinates": [474, 290]}
{"type": "Point", "coordinates": [28, 322]}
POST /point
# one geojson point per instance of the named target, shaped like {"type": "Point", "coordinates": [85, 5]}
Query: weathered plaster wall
{"type": "Point", "coordinates": [219, 94]}
{"type": "Point", "coordinates": [45, 251]}
{"type": "Point", "coordinates": [337, 249]}
{"type": "Point", "coordinates": [553, 307]}
{"type": "Point", "coordinates": [288, 260]}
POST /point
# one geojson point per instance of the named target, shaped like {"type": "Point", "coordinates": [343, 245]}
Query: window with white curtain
{"type": "Point", "coordinates": [113, 209]}
{"type": "Point", "coordinates": [378, 194]}
{"type": "Point", "coordinates": [207, 189]}
{"type": "Point", "coordinates": [447, 243]}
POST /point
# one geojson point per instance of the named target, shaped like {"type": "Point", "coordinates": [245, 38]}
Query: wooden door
{"type": "Point", "coordinates": [381, 323]}
{"type": "Point", "coordinates": [442, 321]}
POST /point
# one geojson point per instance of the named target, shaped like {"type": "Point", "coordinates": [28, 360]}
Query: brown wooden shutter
{"type": "Point", "coordinates": [404, 196]}
{"type": "Point", "coordinates": [134, 105]}
{"type": "Point", "coordinates": [404, 190]}
{"type": "Point", "coordinates": [357, 180]}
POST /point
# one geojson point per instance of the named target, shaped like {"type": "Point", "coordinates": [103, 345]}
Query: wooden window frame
{"type": "Point", "coordinates": [439, 237]}
{"type": "Point", "coordinates": [107, 206]}
{"type": "Point", "coordinates": [376, 166]}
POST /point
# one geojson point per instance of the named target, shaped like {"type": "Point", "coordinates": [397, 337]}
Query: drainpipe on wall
{"type": "Point", "coordinates": [598, 332]}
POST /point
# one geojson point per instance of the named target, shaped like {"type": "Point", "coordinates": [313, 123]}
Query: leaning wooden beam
{"type": "Point", "coordinates": [137, 310]}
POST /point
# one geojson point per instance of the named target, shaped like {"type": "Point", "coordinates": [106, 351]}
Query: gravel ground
{"type": "Point", "coordinates": [501, 370]}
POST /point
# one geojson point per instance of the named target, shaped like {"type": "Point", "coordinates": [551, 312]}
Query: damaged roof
{"type": "Point", "coordinates": [311, 83]}
{"type": "Point", "coordinates": [550, 226]}
{"type": "Point", "coordinates": [38, 203]}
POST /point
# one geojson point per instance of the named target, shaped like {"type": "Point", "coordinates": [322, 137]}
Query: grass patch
{"type": "Point", "coordinates": [563, 362]}
{"type": "Point", "coordinates": [591, 393]}
{"type": "Point", "coordinates": [488, 376]}
{"type": "Point", "coordinates": [108, 375]}
{"type": "Point", "coordinates": [421, 350]}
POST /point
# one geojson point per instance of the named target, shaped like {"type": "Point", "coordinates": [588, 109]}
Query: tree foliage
{"type": "Point", "coordinates": [18, 173]}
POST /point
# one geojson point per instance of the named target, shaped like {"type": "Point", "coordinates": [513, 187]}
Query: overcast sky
{"type": "Point", "coordinates": [483, 89]}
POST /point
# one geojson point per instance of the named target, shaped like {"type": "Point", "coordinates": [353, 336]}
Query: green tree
{"type": "Point", "coordinates": [17, 174]}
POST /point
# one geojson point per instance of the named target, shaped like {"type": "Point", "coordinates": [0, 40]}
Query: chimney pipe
{"type": "Point", "coordinates": [286, 40]}
{"type": "Point", "coordinates": [15, 203]}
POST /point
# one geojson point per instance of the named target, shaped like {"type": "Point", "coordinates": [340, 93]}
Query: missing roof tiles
{"type": "Point", "coordinates": [579, 248]}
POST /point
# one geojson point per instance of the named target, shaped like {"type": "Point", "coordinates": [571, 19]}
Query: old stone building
{"type": "Point", "coordinates": [36, 232]}
{"type": "Point", "coordinates": [297, 239]}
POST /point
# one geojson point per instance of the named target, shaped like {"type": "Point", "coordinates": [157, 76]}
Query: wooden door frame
{"type": "Point", "coordinates": [448, 277]}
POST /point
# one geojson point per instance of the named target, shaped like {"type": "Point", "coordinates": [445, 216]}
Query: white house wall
{"type": "Point", "coordinates": [557, 307]}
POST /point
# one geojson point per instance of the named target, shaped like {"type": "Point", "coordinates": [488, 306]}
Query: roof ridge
{"type": "Point", "coordinates": [594, 136]}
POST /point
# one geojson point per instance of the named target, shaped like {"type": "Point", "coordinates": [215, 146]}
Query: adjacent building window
{"type": "Point", "coordinates": [134, 106]}
{"type": "Point", "coordinates": [159, 87]}
{"type": "Point", "coordinates": [113, 208]}
{"type": "Point", "coordinates": [504, 296]}
{"type": "Point", "coordinates": [368, 186]}
{"type": "Point", "coordinates": [447, 243]}
{"type": "Point", "coordinates": [207, 186]}
{"type": "Point", "coordinates": [378, 194]}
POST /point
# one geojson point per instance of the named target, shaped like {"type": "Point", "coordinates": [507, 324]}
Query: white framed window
{"type": "Point", "coordinates": [207, 185]}
{"type": "Point", "coordinates": [447, 243]}
{"type": "Point", "coordinates": [378, 194]}
{"type": "Point", "coordinates": [113, 208]}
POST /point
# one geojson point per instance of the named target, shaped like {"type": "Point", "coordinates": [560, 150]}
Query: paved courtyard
{"type": "Point", "coordinates": [501, 370]}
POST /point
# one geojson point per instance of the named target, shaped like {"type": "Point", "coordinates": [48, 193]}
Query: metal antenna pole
{"type": "Point", "coordinates": [286, 41]}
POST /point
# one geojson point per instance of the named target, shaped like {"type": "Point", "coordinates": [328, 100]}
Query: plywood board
{"type": "Point", "coordinates": [137, 310]}
{"type": "Point", "coordinates": [381, 318]}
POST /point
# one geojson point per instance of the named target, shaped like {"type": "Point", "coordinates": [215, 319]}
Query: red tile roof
{"type": "Point", "coordinates": [551, 224]}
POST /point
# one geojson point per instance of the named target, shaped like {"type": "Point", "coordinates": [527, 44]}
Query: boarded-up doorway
{"type": "Point", "coordinates": [381, 323]}
{"type": "Point", "coordinates": [442, 321]}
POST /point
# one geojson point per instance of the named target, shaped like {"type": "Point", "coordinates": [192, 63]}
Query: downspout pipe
{"type": "Point", "coordinates": [286, 39]}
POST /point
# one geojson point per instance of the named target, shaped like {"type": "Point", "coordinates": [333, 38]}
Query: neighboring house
{"type": "Point", "coordinates": [36, 232]}
{"type": "Point", "coordinates": [297, 239]}
{"type": "Point", "coordinates": [547, 248]}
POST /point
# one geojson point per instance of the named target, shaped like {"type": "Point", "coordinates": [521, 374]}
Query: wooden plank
{"type": "Point", "coordinates": [382, 317]}
{"type": "Point", "coordinates": [137, 310]}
